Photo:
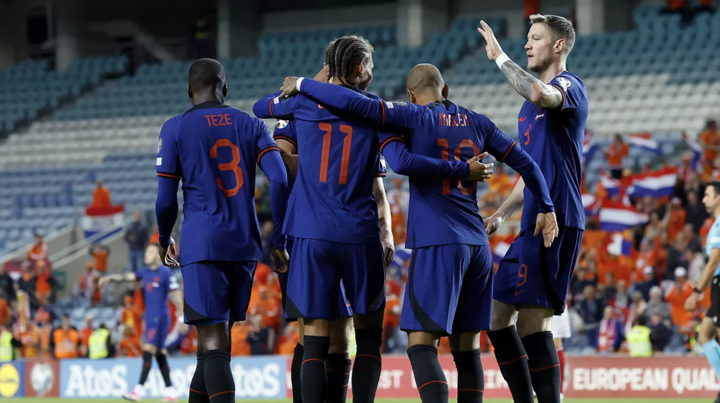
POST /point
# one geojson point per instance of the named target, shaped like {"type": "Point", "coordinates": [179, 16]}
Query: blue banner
{"type": "Point", "coordinates": [11, 379]}
{"type": "Point", "coordinates": [255, 377]}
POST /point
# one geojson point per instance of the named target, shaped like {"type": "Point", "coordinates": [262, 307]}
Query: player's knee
{"type": "Point", "coordinates": [503, 315]}
{"type": "Point", "coordinates": [340, 336]}
{"type": "Point", "coordinates": [214, 337]}
{"type": "Point", "coordinates": [150, 349]}
{"type": "Point", "coordinates": [464, 342]}
{"type": "Point", "coordinates": [558, 342]}
{"type": "Point", "coordinates": [532, 321]}
{"type": "Point", "coordinates": [374, 321]}
{"type": "Point", "coordinates": [422, 339]}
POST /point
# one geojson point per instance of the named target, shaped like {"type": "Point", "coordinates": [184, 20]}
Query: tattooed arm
{"type": "Point", "coordinates": [526, 84]}
{"type": "Point", "coordinates": [532, 89]}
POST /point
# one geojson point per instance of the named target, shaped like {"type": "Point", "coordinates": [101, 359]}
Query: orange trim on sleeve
{"type": "Point", "coordinates": [396, 138]}
{"type": "Point", "coordinates": [286, 138]}
{"type": "Point", "coordinates": [265, 151]}
{"type": "Point", "coordinates": [382, 109]}
{"type": "Point", "coordinates": [561, 92]}
{"type": "Point", "coordinates": [507, 152]}
{"type": "Point", "coordinates": [270, 107]}
{"type": "Point", "coordinates": [164, 175]}
{"type": "Point", "coordinates": [380, 175]}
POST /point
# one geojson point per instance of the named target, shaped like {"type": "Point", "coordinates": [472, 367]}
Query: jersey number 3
{"type": "Point", "coordinates": [233, 165]}
{"type": "Point", "coordinates": [458, 154]}
{"type": "Point", "coordinates": [325, 158]}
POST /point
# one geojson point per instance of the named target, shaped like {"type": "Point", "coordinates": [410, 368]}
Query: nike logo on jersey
{"type": "Point", "coordinates": [519, 292]}
{"type": "Point", "coordinates": [522, 119]}
{"type": "Point", "coordinates": [542, 115]}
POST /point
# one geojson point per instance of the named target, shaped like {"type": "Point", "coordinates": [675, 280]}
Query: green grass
{"type": "Point", "coordinates": [58, 400]}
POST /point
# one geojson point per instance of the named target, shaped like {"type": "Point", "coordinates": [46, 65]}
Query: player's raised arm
{"type": "Point", "coordinates": [376, 111]}
{"type": "Point", "coordinates": [274, 106]}
{"type": "Point", "coordinates": [530, 87]}
{"type": "Point", "coordinates": [403, 162]}
{"type": "Point", "coordinates": [271, 163]}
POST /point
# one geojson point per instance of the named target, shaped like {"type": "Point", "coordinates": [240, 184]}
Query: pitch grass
{"type": "Point", "coordinates": [58, 400]}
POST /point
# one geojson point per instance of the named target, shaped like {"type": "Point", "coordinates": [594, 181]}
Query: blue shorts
{"type": "Point", "coordinates": [449, 290]}
{"type": "Point", "coordinates": [217, 292]}
{"type": "Point", "coordinates": [319, 270]}
{"type": "Point", "coordinates": [156, 330]}
{"type": "Point", "coordinates": [531, 274]}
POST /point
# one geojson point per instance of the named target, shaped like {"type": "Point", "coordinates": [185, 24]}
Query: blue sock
{"type": "Point", "coordinates": [712, 353]}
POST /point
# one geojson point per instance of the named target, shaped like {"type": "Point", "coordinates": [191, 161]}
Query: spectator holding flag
{"type": "Point", "coordinates": [616, 154]}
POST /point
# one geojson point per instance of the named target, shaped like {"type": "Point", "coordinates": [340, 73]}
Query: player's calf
{"type": "Point", "coordinates": [215, 342]}
{"type": "Point", "coordinates": [312, 373]}
{"type": "Point", "coordinates": [338, 363]}
{"type": "Point", "coordinates": [429, 377]}
{"type": "Point", "coordinates": [466, 354]}
{"type": "Point", "coordinates": [368, 361]}
{"type": "Point", "coordinates": [534, 327]}
{"type": "Point", "coordinates": [513, 362]}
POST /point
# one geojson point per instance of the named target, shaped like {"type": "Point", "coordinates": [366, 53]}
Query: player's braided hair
{"type": "Point", "coordinates": [346, 52]}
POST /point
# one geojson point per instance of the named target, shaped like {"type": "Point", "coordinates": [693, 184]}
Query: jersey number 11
{"type": "Point", "coordinates": [345, 161]}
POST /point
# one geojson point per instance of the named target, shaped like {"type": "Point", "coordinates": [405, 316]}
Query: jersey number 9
{"type": "Point", "coordinates": [458, 156]}
{"type": "Point", "coordinates": [324, 159]}
{"type": "Point", "coordinates": [233, 165]}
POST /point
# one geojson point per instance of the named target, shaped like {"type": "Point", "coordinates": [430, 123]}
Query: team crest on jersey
{"type": "Point", "coordinates": [160, 141]}
{"type": "Point", "coordinates": [281, 124]}
{"type": "Point", "coordinates": [564, 82]}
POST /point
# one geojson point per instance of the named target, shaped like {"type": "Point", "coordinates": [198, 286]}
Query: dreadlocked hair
{"type": "Point", "coordinates": [346, 52]}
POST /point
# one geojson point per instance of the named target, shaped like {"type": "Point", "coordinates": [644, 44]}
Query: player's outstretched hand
{"type": "Point", "coordinates": [388, 245]}
{"type": "Point", "coordinates": [169, 255]}
{"type": "Point", "coordinates": [479, 172]}
{"type": "Point", "coordinates": [492, 47]}
{"type": "Point", "coordinates": [547, 223]}
{"type": "Point", "coordinates": [281, 260]}
{"type": "Point", "coordinates": [492, 224]}
{"type": "Point", "coordinates": [289, 87]}
{"type": "Point", "coordinates": [691, 302]}
{"type": "Point", "coordinates": [323, 75]}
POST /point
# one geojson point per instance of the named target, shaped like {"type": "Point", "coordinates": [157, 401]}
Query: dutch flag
{"type": "Point", "coordinates": [612, 186]}
{"type": "Point", "coordinates": [500, 251]}
{"type": "Point", "coordinates": [617, 217]}
{"type": "Point", "coordinates": [402, 256]}
{"type": "Point", "coordinates": [696, 149]}
{"type": "Point", "coordinates": [656, 184]}
{"type": "Point", "coordinates": [644, 141]}
{"type": "Point", "coordinates": [591, 204]}
{"type": "Point", "coordinates": [619, 246]}
{"type": "Point", "coordinates": [589, 146]}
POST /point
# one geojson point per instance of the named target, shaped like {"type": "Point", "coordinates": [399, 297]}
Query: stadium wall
{"type": "Point", "coordinates": [295, 20]}
{"type": "Point", "coordinates": [269, 378]}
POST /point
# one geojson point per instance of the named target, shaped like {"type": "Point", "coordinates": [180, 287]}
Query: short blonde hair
{"type": "Point", "coordinates": [560, 26]}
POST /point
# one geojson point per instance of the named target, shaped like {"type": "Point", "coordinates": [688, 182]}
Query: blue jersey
{"type": "Point", "coordinates": [554, 139]}
{"type": "Point", "coordinates": [214, 149]}
{"type": "Point", "coordinates": [713, 241]}
{"type": "Point", "coordinates": [440, 211]}
{"type": "Point", "coordinates": [285, 130]}
{"type": "Point", "coordinates": [156, 286]}
{"type": "Point", "coordinates": [332, 197]}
